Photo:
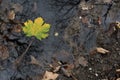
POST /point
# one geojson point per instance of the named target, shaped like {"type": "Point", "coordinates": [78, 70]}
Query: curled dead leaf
{"type": "Point", "coordinates": [99, 50]}
{"type": "Point", "coordinates": [56, 65]}
{"type": "Point", "coordinates": [102, 50]}
{"type": "Point", "coordinates": [67, 69]}
{"type": "Point", "coordinates": [50, 76]}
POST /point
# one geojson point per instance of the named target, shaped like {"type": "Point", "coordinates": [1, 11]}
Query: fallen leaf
{"type": "Point", "coordinates": [118, 79]}
{"type": "Point", "coordinates": [102, 50]}
{"type": "Point", "coordinates": [118, 70]}
{"type": "Point", "coordinates": [17, 28]}
{"type": "Point", "coordinates": [67, 69]}
{"type": "Point", "coordinates": [4, 54]}
{"type": "Point", "coordinates": [50, 76]}
{"type": "Point", "coordinates": [113, 28]}
{"type": "Point", "coordinates": [56, 68]}
{"type": "Point", "coordinates": [82, 61]}
{"type": "Point", "coordinates": [66, 72]}
{"type": "Point", "coordinates": [38, 28]}
{"type": "Point", "coordinates": [11, 15]}
{"type": "Point", "coordinates": [34, 61]}
{"type": "Point", "coordinates": [56, 65]}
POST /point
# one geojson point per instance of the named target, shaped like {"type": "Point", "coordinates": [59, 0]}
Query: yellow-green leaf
{"type": "Point", "coordinates": [38, 29]}
{"type": "Point", "coordinates": [38, 21]}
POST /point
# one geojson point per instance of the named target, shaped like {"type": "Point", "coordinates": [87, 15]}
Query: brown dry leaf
{"type": "Point", "coordinates": [118, 79]}
{"type": "Point", "coordinates": [50, 76]}
{"type": "Point", "coordinates": [111, 29]}
{"type": "Point", "coordinates": [34, 61]}
{"type": "Point", "coordinates": [4, 54]}
{"type": "Point", "coordinates": [57, 69]}
{"type": "Point", "coordinates": [17, 28]}
{"type": "Point", "coordinates": [55, 66]}
{"type": "Point", "coordinates": [66, 72]}
{"type": "Point", "coordinates": [11, 15]}
{"type": "Point", "coordinates": [67, 69]}
{"type": "Point", "coordinates": [82, 61]}
{"type": "Point", "coordinates": [102, 50]}
{"type": "Point", "coordinates": [118, 70]}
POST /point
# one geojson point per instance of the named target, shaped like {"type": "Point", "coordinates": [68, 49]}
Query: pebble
{"type": "Point", "coordinates": [56, 34]}
{"type": "Point", "coordinates": [96, 74]}
{"type": "Point", "coordinates": [80, 17]}
{"type": "Point", "coordinates": [90, 69]}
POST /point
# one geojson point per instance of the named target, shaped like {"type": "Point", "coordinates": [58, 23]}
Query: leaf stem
{"type": "Point", "coordinates": [19, 59]}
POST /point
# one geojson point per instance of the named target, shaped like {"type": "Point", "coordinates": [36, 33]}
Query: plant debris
{"type": "Point", "coordinates": [11, 15]}
{"type": "Point", "coordinates": [102, 50]}
{"type": "Point", "coordinates": [82, 61]}
{"type": "Point", "coordinates": [4, 53]}
{"type": "Point", "coordinates": [50, 76]}
{"type": "Point", "coordinates": [34, 61]}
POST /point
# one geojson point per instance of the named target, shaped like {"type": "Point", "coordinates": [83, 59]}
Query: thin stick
{"type": "Point", "coordinates": [18, 60]}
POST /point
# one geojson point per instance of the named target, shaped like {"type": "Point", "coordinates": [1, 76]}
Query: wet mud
{"type": "Point", "coordinates": [78, 28]}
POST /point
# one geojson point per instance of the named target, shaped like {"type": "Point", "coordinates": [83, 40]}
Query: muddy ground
{"type": "Point", "coordinates": [83, 42]}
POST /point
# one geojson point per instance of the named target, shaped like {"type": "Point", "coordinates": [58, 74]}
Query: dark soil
{"type": "Point", "coordinates": [82, 26]}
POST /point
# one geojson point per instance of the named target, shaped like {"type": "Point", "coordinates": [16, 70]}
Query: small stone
{"type": "Point", "coordinates": [56, 34]}
{"type": "Point", "coordinates": [90, 69]}
{"type": "Point", "coordinates": [80, 17]}
{"type": "Point", "coordinates": [96, 74]}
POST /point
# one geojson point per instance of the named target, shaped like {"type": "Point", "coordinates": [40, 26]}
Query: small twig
{"type": "Point", "coordinates": [19, 59]}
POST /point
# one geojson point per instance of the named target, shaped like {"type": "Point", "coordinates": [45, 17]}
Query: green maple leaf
{"type": "Point", "coordinates": [38, 28]}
